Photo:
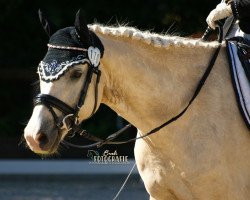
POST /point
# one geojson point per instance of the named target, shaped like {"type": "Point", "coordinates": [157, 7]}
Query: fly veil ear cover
{"type": "Point", "coordinates": [68, 47]}
{"type": "Point", "coordinates": [89, 38]}
{"type": "Point", "coordinates": [61, 54]}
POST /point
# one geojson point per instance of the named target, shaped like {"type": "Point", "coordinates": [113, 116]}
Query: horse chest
{"type": "Point", "coordinates": [161, 176]}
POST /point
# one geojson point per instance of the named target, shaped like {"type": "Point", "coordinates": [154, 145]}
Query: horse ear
{"type": "Point", "coordinates": [49, 27]}
{"type": "Point", "coordinates": [82, 28]}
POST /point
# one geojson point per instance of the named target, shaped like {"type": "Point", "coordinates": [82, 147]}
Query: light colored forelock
{"type": "Point", "coordinates": [157, 40]}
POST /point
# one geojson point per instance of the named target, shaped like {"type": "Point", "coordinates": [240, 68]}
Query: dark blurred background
{"type": "Point", "coordinates": [23, 45]}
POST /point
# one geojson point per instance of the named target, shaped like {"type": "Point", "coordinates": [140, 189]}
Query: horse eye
{"type": "Point", "coordinates": [76, 74]}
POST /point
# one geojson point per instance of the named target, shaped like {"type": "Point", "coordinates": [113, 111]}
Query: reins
{"type": "Point", "coordinates": [109, 140]}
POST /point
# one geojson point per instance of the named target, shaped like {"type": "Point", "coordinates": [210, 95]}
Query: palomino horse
{"type": "Point", "coordinates": [149, 78]}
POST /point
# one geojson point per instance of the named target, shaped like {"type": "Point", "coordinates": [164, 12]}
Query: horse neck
{"type": "Point", "coordinates": [147, 85]}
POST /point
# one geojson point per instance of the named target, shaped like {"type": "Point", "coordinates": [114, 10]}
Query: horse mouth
{"type": "Point", "coordinates": [55, 145]}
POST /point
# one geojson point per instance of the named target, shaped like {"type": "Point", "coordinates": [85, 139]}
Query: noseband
{"type": "Point", "coordinates": [70, 121]}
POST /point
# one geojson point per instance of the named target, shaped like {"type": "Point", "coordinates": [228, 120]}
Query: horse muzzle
{"type": "Point", "coordinates": [41, 134]}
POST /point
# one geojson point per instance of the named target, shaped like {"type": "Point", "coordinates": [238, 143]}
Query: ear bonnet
{"type": "Point", "coordinates": [59, 59]}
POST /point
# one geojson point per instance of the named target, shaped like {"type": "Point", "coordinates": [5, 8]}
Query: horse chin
{"type": "Point", "coordinates": [49, 152]}
{"type": "Point", "coordinates": [43, 152]}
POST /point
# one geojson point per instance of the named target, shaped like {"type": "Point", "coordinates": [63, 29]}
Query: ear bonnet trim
{"type": "Point", "coordinates": [53, 71]}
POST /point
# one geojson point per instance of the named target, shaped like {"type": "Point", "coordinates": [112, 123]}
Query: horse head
{"type": "Point", "coordinates": [68, 84]}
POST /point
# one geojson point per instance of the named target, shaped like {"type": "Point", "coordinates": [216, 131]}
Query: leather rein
{"type": "Point", "coordinates": [71, 123]}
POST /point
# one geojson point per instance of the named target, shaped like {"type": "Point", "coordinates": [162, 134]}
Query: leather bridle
{"type": "Point", "coordinates": [71, 122]}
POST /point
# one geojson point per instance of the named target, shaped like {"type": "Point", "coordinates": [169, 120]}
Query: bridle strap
{"type": "Point", "coordinates": [84, 90]}
{"type": "Point", "coordinates": [54, 102]}
{"type": "Point", "coordinates": [98, 75]}
{"type": "Point", "coordinates": [92, 70]}
{"type": "Point", "coordinates": [202, 81]}
{"type": "Point", "coordinates": [66, 47]}
{"type": "Point", "coordinates": [100, 142]}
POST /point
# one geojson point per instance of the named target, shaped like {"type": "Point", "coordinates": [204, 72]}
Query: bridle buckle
{"type": "Point", "coordinates": [65, 125]}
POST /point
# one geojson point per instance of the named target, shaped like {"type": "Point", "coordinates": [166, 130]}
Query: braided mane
{"type": "Point", "coordinates": [157, 40]}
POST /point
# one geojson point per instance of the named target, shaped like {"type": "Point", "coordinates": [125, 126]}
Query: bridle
{"type": "Point", "coordinates": [71, 122]}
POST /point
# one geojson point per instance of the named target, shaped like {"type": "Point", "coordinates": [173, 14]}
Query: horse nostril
{"type": "Point", "coordinates": [41, 138]}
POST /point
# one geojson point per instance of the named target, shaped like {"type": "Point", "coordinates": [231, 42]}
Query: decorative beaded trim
{"type": "Point", "coordinates": [52, 71]}
{"type": "Point", "coordinates": [65, 47]}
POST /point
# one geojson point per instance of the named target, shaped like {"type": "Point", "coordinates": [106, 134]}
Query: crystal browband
{"type": "Point", "coordinates": [66, 47]}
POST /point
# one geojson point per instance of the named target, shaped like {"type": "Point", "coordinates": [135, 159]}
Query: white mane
{"type": "Point", "coordinates": [154, 39]}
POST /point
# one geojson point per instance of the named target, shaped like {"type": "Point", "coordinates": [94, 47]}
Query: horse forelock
{"type": "Point", "coordinates": [155, 39]}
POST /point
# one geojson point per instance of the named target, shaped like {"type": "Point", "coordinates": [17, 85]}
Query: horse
{"type": "Point", "coordinates": [148, 78]}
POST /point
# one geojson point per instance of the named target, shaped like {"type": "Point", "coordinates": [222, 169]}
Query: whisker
{"type": "Point", "coordinates": [23, 142]}
{"type": "Point", "coordinates": [36, 86]}
{"type": "Point", "coordinates": [64, 144]}
{"type": "Point", "coordinates": [36, 83]}
{"type": "Point", "coordinates": [24, 122]}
